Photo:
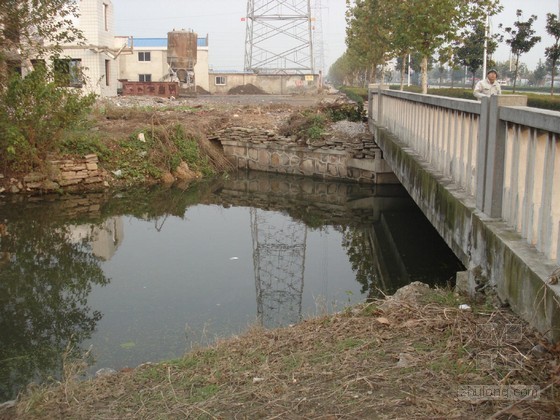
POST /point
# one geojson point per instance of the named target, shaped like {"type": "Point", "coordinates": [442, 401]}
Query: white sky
{"type": "Point", "coordinates": [221, 20]}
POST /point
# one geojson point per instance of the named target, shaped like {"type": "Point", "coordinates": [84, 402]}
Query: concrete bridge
{"type": "Point", "coordinates": [487, 176]}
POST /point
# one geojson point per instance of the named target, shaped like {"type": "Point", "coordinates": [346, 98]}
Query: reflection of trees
{"type": "Point", "coordinates": [45, 280]}
{"type": "Point", "coordinates": [361, 254]}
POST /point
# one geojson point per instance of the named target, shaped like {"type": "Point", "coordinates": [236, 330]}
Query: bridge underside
{"type": "Point", "coordinates": [494, 255]}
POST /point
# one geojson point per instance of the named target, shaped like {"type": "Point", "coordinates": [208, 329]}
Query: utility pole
{"type": "Point", "coordinates": [485, 58]}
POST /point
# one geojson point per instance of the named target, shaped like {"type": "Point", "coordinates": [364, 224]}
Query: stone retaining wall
{"type": "Point", "coordinates": [66, 174]}
{"type": "Point", "coordinates": [356, 159]}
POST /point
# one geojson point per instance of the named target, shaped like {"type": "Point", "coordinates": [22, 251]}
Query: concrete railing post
{"type": "Point", "coordinates": [491, 153]}
{"type": "Point", "coordinates": [371, 116]}
{"type": "Point", "coordinates": [380, 87]}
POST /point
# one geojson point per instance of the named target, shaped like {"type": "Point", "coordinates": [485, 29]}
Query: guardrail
{"type": "Point", "coordinates": [502, 153]}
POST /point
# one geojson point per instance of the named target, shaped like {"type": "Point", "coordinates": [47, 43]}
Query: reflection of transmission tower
{"type": "Point", "coordinates": [279, 36]}
{"type": "Point", "coordinates": [279, 260]}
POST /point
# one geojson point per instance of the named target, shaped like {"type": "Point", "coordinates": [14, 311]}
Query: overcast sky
{"type": "Point", "coordinates": [221, 20]}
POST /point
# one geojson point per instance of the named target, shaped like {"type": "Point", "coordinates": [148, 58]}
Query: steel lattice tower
{"type": "Point", "coordinates": [318, 44]}
{"type": "Point", "coordinates": [279, 263]}
{"type": "Point", "coordinates": [279, 37]}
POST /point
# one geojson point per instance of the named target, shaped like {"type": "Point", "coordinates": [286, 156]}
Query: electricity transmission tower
{"type": "Point", "coordinates": [279, 37]}
{"type": "Point", "coordinates": [318, 44]}
{"type": "Point", "coordinates": [279, 263]}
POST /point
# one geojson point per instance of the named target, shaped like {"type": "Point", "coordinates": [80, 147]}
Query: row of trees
{"type": "Point", "coordinates": [452, 31]}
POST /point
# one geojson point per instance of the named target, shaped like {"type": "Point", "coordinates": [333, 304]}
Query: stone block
{"type": "Point", "coordinates": [33, 177]}
{"type": "Point", "coordinates": [93, 180]}
{"type": "Point", "coordinates": [33, 185]}
{"type": "Point", "coordinates": [67, 182]}
{"type": "Point", "coordinates": [308, 167]}
{"type": "Point", "coordinates": [91, 166]}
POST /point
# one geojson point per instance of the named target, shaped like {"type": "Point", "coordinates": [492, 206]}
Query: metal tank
{"type": "Point", "coordinates": [181, 55]}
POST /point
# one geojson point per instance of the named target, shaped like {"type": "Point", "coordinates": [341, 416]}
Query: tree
{"type": "Point", "coordinates": [469, 52]}
{"type": "Point", "coordinates": [34, 29]}
{"type": "Point", "coordinates": [367, 34]}
{"type": "Point", "coordinates": [35, 114]}
{"type": "Point", "coordinates": [552, 53]}
{"type": "Point", "coordinates": [521, 39]}
{"type": "Point", "coordinates": [539, 74]}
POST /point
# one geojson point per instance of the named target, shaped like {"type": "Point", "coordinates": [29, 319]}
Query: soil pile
{"type": "Point", "coordinates": [248, 89]}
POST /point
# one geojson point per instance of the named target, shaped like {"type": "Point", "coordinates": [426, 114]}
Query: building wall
{"type": "Point", "coordinates": [201, 69]}
{"type": "Point", "coordinates": [98, 63]}
{"type": "Point", "coordinates": [295, 84]}
{"type": "Point", "coordinates": [130, 67]}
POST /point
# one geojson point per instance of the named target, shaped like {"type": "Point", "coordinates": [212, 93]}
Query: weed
{"type": "Point", "coordinates": [348, 343]}
{"type": "Point", "coordinates": [204, 393]}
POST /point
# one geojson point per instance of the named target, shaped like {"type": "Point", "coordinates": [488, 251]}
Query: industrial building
{"type": "Point", "coordinates": [150, 61]}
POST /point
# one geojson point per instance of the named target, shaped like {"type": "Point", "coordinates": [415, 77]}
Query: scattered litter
{"type": "Point", "coordinates": [406, 360]}
{"type": "Point", "coordinates": [8, 404]}
{"type": "Point", "coordinates": [141, 137]}
{"type": "Point", "coordinates": [105, 372]}
{"type": "Point", "coordinates": [464, 307]}
{"type": "Point", "coordinates": [257, 380]}
{"type": "Point", "coordinates": [117, 173]}
{"type": "Point", "coordinates": [383, 320]}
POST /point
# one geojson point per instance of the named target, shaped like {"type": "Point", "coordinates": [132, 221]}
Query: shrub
{"type": "Point", "coordinates": [35, 114]}
{"type": "Point", "coordinates": [161, 150]}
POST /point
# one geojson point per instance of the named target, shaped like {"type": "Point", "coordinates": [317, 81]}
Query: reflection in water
{"type": "Point", "coordinates": [45, 280]}
{"type": "Point", "coordinates": [191, 262]}
{"type": "Point", "coordinates": [279, 260]}
{"type": "Point", "coordinates": [104, 238]}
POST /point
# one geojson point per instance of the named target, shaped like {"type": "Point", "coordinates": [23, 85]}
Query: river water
{"type": "Point", "coordinates": [122, 278]}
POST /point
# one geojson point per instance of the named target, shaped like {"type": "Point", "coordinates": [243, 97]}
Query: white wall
{"type": "Point", "coordinates": [130, 67]}
{"type": "Point", "coordinates": [96, 22]}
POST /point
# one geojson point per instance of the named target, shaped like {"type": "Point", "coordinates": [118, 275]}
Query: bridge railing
{"type": "Point", "coordinates": [502, 153]}
{"type": "Point", "coordinates": [443, 131]}
{"type": "Point", "coordinates": [531, 175]}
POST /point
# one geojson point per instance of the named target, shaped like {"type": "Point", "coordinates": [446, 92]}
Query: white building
{"type": "Point", "coordinates": [148, 63]}
{"type": "Point", "coordinates": [97, 59]}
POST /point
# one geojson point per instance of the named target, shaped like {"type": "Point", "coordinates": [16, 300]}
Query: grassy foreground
{"type": "Point", "coordinates": [412, 355]}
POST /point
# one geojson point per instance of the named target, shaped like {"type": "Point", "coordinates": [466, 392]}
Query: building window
{"type": "Point", "coordinates": [107, 72]}
{"type": "Point", "coordinates": [220, 80]}
{"type": "Point", "coordinates": [144, 77]}
{"type": "Point", "coordinates": [144, 56]}
{"type": "Point", "coordinates": [68, 72]}
{"type": "Point", "coordinates": [106, 16]}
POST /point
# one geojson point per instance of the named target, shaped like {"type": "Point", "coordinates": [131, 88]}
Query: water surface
{"type": "Point", "coordinates": [147, 274]}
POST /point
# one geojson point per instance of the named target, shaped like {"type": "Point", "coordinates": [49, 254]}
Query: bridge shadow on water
{"type": "Point", "coordinates": [54, 252]}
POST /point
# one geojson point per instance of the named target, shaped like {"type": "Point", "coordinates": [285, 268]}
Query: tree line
{"type": "Point", "coordinates": [434, 34]}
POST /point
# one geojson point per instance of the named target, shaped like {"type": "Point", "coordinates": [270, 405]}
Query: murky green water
{"type": "Point", "coordinates": [147, 274]}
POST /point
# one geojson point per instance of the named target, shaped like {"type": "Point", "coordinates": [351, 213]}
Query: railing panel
{"type": "Point", "coordinates": [445, 133]}
{"type": "Point", "coordinates": [531, 191]}
{"type": "Point", "coordinates": [445, 137]}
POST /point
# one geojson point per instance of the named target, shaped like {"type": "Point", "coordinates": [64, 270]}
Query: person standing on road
{"type": "Point", "coordinates": [489, 86]}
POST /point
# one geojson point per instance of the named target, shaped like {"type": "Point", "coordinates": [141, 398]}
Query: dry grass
{"type": "Point", "coordinates": [398, 358]}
